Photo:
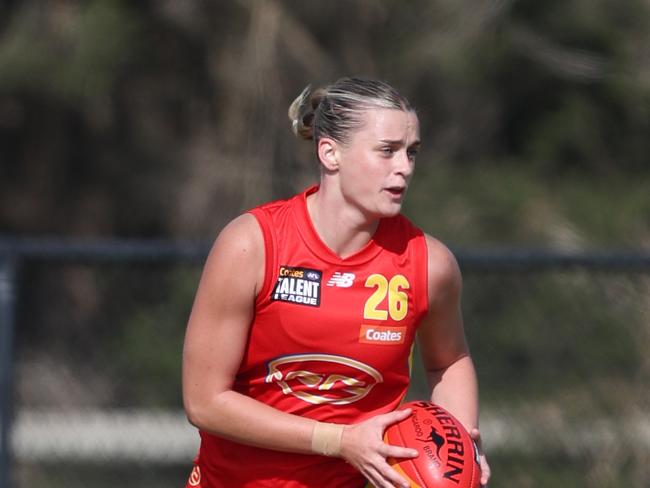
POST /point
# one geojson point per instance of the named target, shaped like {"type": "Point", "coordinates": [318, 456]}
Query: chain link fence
{"type": "Point", "coordinates": [92, 381]}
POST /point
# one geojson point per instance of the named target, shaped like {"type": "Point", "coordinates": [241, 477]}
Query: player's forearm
{"type": "Point", "coordinates": [242, 419]}
{"type": "Point", "coordinates": [456, 389]}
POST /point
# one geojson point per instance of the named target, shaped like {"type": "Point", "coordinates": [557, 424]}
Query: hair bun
{"type": "Point", "coordinates": [337, 110]}
{"type": "Point", "coordinates": [301, 112]}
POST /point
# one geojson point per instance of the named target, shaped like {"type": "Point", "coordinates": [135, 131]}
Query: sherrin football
{"type": "Point", "coordinates": [448, 457]}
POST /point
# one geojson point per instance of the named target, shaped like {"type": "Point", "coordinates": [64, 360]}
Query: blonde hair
{"type": "Point", "coordinates": [335, 111]}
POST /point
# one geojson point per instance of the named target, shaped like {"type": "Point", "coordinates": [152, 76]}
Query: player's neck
{"type": "Point", "coordinates": [344, 230]}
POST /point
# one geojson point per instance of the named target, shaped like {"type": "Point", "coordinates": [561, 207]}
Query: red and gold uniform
{"type": "Point", "coordinates": [330, 340]}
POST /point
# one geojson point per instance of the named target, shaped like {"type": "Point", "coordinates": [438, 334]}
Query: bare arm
{"type": "Point", "coordinates": [214, 347]}
{"type": "Point", "coordinates": [445, 355]}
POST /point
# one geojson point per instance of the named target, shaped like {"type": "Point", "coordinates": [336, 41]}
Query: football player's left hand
{"type": "Point", "coordinates": [485, 467]}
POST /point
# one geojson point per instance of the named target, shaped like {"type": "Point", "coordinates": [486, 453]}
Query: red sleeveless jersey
{"type": "Point", "coordinates": [330, 340]}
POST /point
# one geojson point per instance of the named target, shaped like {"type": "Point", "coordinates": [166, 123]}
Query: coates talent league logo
{"type": "Point", "coordinates": [298, 285]}
{"type": "Point", "coordinates": [323, 378]}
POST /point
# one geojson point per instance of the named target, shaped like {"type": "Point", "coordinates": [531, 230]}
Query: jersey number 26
{"type": "Point", "coordinates": [397, 299]}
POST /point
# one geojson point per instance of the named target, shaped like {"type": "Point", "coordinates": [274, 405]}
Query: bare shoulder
{"type": "Point", "coordinates": [241, 234]}
{"type": "Point", "coordinates": [444, 274]}
{"type": "Point", "coordinates": [238, 251]}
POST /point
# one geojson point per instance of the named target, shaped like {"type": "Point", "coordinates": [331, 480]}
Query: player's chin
{"type": "Point", "coordinates": [386, 208]}
{"type": "Point", "coordinates": [391, 210]}
{"type": "Point", "coordinates": [392, 203]}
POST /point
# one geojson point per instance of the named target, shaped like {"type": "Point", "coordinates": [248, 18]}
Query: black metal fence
{"type": "Point", "coordinates": [90, 348]}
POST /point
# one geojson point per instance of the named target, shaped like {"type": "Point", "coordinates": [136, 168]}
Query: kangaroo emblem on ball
{"type": "Point", "coordinates": [436, 438]}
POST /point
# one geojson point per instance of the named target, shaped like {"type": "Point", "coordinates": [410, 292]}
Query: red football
{"type": "Point", "coordinates": [447, 455]}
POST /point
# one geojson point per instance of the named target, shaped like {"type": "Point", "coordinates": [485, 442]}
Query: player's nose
{"type": "Point", "coordinates": [404, 164]}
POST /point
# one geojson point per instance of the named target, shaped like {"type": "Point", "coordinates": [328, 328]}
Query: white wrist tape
{"type": "Point", "coordinates": [326, 439]}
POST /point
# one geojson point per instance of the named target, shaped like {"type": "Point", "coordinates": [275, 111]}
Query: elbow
{"type": "Point", "coordinates": [193, 413]}
{"type": "Point", "coordinates": [197, 412]}
{"type": "Point", "coordinates": [451, 361]}
{"type": "Point", "coordinates": [204, 412]}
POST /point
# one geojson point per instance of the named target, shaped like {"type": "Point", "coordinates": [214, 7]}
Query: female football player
{"type": "Point", "coordinates": [297, 349]}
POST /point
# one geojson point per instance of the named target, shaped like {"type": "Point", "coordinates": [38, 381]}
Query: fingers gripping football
{"type": "Point", "coordinates": [485, 467]}
{"type": "Point", "coordinates": [363, 447]}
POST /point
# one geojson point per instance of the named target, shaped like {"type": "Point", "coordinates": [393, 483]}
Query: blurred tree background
{"type": "Point", "coordinates": [167, 118]}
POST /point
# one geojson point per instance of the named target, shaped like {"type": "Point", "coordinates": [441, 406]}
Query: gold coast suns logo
{"type": "Point", "coordinates": [323, 378]}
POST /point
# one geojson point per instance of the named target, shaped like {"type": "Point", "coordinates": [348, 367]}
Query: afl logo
{"type": "Point", "coordinates": [195, 477]}
{"type": "Point", "coordinates": [313, 275]}
{"type": "Point", "coordinates": [323, 378]}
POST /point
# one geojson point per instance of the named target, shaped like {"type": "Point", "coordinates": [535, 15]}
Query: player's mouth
{"type": "Point", "coordinates": [396, 191]}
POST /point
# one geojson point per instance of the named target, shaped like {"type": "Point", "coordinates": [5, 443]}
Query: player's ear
{"type": "Point", "coordinates": [328, 153]}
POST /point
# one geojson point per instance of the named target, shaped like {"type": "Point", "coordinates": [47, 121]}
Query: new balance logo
{"type": "Point", "coordinates": [342, 280]}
